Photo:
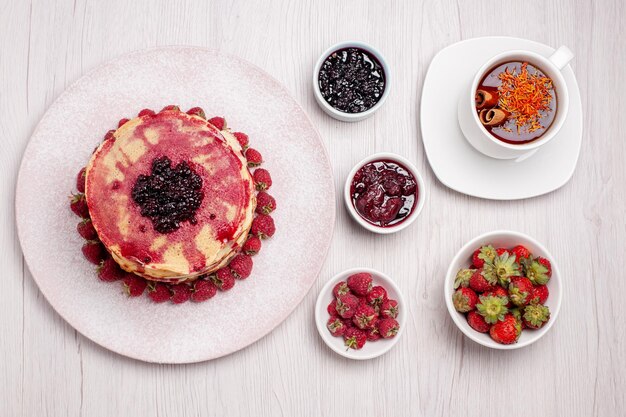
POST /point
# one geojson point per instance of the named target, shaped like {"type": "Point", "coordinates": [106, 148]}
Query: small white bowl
{"type": "Point", "coordinates": [330, 110]}
{"type": "Point", "coordinates": [371, 349]}
{"type": "Point", "coordinates": [506, 239]}
{"type": "Point", "coordinates": [421, 193]}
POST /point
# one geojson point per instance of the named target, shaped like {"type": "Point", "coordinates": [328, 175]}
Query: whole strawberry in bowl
{"type": "Point", "coordinates": [503, 290]}
{"type": "Point", "coordinates": [360, 313]}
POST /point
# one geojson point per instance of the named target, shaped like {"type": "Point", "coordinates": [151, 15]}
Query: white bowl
{"type": "Point", "coordinates": [421, 196]}
{"type": "Point", "coordinates": [506, 239]}
{"type": "Point", "coordinates": [330, 110]}
{"type": "Point", "coordinates": [371, 349]}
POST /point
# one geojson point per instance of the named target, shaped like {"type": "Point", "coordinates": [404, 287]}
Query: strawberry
{"type": "Point", "coordinates": [547, 264]}
{"type": "Point", "coordinates": [203, 290]}
{"type": "Point", "coordinates": [332, 308]}
{"type": "Point", "coordinates": [464, 300]}
{"type": "Point", "coordinates": [492, 308]}
{"type": "Point", "coordinates": [180, 293]}
{"type": "Point", "coordinates": [197, 111]}
{"type": "Point", "coordinates": [535, 316]}
{"type": "Point", "coordinates": [252, 246]}
{"type": "Point", "coordinates": [477, 322]}
{"type": "Point", "coordinates": [520, 291]}
{"type": "Point", "coordinates": [158, 292]}
{"type": "Point", "coordinates": [502, 269]}
{"type": "Point", "coordinates": [242, 138]}
{"type": "Point", "coordinates": [109, 271]}
{"type": "Point", "coordinates": [263, 226]}
{"type": "Point", "coordinates": [347, 305]}
{"type": "Point", "coordinates": [376, 296]}
{"type": "Point", "coordinates": [354, 338]}
{"type": "Point", "coordinates": [340, 289]}
{"type": "Point", "coordinates": [146, 112]}
{"type": "Point", "coordinates": [365, 316]}
{"type": "Point", "coordinates": [479, 283]}
{"type": "Point", "coordinates": [463, 277]}
{"type": "Point", "coordinates": [538, 273]}
{"type": "Point", "coordinates": [223, 279]}
{"type": "Point", "coordinates": [122, 122]}
{"type": "Point", "coordinates": [539, 294]}
{"type": "Point", "coordinates": [360, 283]}
{"type": "Point", "coordinates": [373, 334]}
{"type": "Point", "coordinates": [502, 251]}
{"type": "Point", "coordinates": [389, 309]}
{"type": "Point", "coordinates": [336, 326]}
{"type": "Point", "coordinates": [265, 203]}
{"type": "Point", "coordinates": [506, 331]}
{"type": "Point", "coordinates": [78, 205]}
{"type": "Point", "coordinates": [253, 157]}
{"type": "Point", "coordinates": [483, 254]}
{"type": "Point", "coordinates": [171, 107]}
{"type": "Point", "coordinates": [499, 292]}
{"type": "Point", "coordinates": [262, 179]}
{"type": "Point", "coordinates": [218, 122]}
{"type": "Point", "coordinates": [520, 253]}
{"type": "Point", "coordinates": [86, 230]}
{"type": "Point", "coordinates": [80, 180]}
{"type": "Point", "coordinates": [134, 285]}
{"type": "Point", "coordinates": [388, 328]}
{"type": "Point", "coordinates": [241, 266]}
{"type": "Point", "coordinates": [94, 251]}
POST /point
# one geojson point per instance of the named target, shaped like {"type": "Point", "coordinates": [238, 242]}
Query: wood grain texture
{"type": "Point", "coordinates": [576, 370]}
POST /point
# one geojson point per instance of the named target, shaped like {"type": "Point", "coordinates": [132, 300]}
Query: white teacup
{"type": "Point", "coordinates": [485, 142]}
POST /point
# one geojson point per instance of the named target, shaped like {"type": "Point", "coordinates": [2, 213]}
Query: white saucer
{"type": "Point", "coordinates": [456, 163]}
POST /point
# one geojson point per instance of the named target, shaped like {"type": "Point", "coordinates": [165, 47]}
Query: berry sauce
{"type": "Point", "coordinates": [384, 193]}
{"type": "Point", "coordinates": [351, 80]}
{"type": "Point", "coordinates": [169, 196]}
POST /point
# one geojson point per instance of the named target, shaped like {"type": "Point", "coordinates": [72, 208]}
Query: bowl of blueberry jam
{"type": "Point", "coordinates": [351, 81]}
{"type": "Point", "coordinates": [384, 193]}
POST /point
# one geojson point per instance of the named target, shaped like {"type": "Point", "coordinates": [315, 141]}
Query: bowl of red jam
{"type": "Point", "coordinates": [384, 193]}
{"type": "Point", "coordinates": [351, 81]}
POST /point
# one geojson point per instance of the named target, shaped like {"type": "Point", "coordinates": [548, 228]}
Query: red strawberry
{"type": "Point", "coordinates": [347, 305]}
{"type": "Point", "coordinates": [265, 203]}
{"type": "Point", "coordinates": [78, 205]}
{"type": "Point", "coordinates": [389, 309]}
{"type": "Point", "coordinates": [263, 226]}
{"type": "Point", "coordinates": [252, 246]}
{"type": "Point", "coordinates": [464, 300]}
{"type": "Point", "coordinates": [501, 251]}
{"type": "Point", "coordinates": [180, 293]}
{"type": "Point", "coordinates": [520, 291]}
{"type": "Point", "coordinates": [520, 253]}
{"type": "Point", "coordinates": [109, 271]}
{"type": "Point", "coordinates": [197, 111]}
{"type": "Point", "coordinates": [262, 179]}
{"type": "Point", "coordinates": [354, 338]}
{"type": "Point", "coordinates": [546, 263]}
{"type": "Point", "coordinates": [535, 316]}
{"type": "Point", "coordinates": [332, 308]}
{"type": "Point", "coordinates": [477, 322]}
{"type": "Point", "coordinates": [340, 289]}
{"type": "Point", "coordinates": [223, 279]}
{"type": "Point", "coordinates": [241, 266]}
{"type": "Point", "coordinates": [506, 331]}
{"type": "Point", "coordinates": [483, 254]}
{"type": "Point", "coordinates": [80, 180]}
{"type": "Point", "coordinates": [336, 326]}
{"type": "Point", "coordinates": [146, 112]}
{"type": "Point", "coordinates": [360, 283]}
{"type": "Point", "coordinates": [122, 122]}
{"type": "Point", "coordinates": [86, 230]}
{"type": "Point", "coordinates": [242, 138]}
{"type": "Point", "coordinates": [376, 296]}
{"type": "Point", "coordinates": [94, 251]}
{"type": "Point", "coordinates": [539, 294]}
{"type": "Point", "coordinates": [373, 334]}
{"type": "Point", "coordinates": [388, 328]}
{"type": "Point", "coordinates": [479, 283]}
{"type": "Point", "coordinates": [365, 316]}
{"type": "Point", "coordinates": [158, 292]}
{"type": "Point", "coordinates": [218, 122]}
{"type": "Point", "coordinates": [203, 290]}
{"type": "Point", "coordinates": [134, 285]}
{"type": "Point", "coordinates": [499, 292]}
{"type": "Point", "coordinates": [253, 157]}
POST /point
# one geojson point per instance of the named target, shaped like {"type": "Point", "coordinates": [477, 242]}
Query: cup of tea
{"type": "Point", "coordinates": [516, 103]}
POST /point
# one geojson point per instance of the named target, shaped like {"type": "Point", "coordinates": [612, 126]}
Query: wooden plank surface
{"type": "Point", "coordinates": [576, 370]}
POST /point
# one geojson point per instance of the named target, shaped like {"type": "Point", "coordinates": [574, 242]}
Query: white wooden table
{"type": "Point", "coordinates": [47, 368]}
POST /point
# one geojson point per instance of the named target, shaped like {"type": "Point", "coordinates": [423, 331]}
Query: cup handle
{"type": "Point", "coordinates": [561, 57]}
{"type": "Point", "coordinates": [526, 155]}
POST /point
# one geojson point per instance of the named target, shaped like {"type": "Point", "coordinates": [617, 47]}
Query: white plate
{"type": "Point", "coordinates": [252, 102]}
{"type": "Point", "coordinates": [456, 163]}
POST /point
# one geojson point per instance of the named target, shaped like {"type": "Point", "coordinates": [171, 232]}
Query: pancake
{"type": "Point", "coordinates": [170, 196]}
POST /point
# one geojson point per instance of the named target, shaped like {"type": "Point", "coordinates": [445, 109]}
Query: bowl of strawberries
{"type": "Point", "coordinates": [359, 313]}
{"type": "Point", "coordinates": [503, 290]}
